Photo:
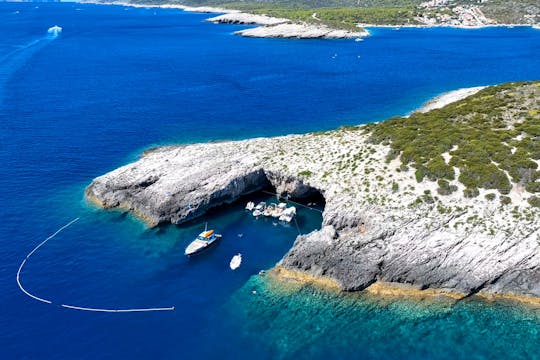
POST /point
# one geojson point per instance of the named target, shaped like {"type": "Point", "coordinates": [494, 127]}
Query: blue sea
{"type": "Point", "coordinates": [119, 80]}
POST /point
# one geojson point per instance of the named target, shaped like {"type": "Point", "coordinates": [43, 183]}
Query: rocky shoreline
{"type": "Point", "coordinates": [271, 27]}
{"type": "Point", "coordinates": [274, 27]}
{"type": "Point", "coordinates": [268, 27]}
{"type": "Point", "coordinates": [379, 224]}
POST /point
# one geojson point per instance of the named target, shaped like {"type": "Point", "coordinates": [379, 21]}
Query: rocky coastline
{"type": "Point", "coordinates": [380, 224]}
{"type": "Point", "coordinates": [272, 27]}
{"type": "Point", "coordinates": [432, 14]}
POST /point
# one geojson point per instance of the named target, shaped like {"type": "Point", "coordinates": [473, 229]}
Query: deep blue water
{"type": "Point", "coordinates": [119, 80]}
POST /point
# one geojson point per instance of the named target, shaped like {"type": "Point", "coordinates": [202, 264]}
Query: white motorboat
{"type": "Point", "coordinates": [236, 261]}
{"type": "Point", "coordinates": [261, 206]}
{"type": "Point", "coordinates": [259, 209]}
{"type": "Point", "coordinates": [278, 211]}
{"type": "Point", "coordinates": [288, 214]}
{"type": "Point", "coordinates": [205, 239]}
{"type": "Point", "coordinates": [270, 209]}
{"type": "Point", "coordinates": [54, 30]}
{"type": "Point", "coordinates": [250, 205]}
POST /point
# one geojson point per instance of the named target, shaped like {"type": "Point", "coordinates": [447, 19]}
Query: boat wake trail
{"type": "Point", "coordinates": [73, 307]}
{"type": "Point", "coordinates": [14, 60]}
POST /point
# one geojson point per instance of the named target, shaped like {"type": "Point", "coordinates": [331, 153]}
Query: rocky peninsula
{"type": "Point", "coordinates": [445, 201]}
{"type": "Point", "coordinates": [275, 27]}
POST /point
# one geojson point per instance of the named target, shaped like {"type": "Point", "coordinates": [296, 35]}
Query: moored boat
{"type": "Point", "coordinates": [205, 239]}
{"type": "Point", "coordinates": [259, 209]}
{"type": "Point", "coordinates": [250, 205]}
{"type": "Point", "coordinates": [288, 214]}
{"type": "Point", "coordinates": [270, 209]}
{"type": "Point", "coordinates": [279, 210]}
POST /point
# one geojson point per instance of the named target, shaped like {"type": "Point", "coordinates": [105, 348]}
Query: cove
{"type": "Point", "coordinates": [118, 81]}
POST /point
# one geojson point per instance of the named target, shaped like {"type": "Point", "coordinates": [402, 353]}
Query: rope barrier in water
{"type": "Point", "coordinates": [73, 307]}
{"type": "Point", "coordinates": [116, 310]}
{"type": "Point", "coordinates": [297, 227]}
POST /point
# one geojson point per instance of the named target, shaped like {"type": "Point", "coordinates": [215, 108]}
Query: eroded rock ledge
{"type": "Point", "coordinates": [379, 223]}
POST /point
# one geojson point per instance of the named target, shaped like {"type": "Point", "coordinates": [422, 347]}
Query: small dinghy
{"type": "Point", "coordinates": [250, 205]}
{"type": "Point", "coordinates": [236, 261]}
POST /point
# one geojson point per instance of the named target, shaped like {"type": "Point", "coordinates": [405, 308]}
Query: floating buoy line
{"type": "Point", "coordinates": [74, 307]}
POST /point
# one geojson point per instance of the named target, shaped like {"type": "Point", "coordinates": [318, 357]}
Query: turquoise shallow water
{"type": "Point", "coordinates": [301, 322]}
{"type": "Point", "coordinates": [118, 80]}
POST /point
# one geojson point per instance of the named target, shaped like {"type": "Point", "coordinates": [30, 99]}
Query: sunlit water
{"type": "Point", "coordinates": [79, 102]}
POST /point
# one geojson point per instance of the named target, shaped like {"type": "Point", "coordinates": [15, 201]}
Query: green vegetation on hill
{"type": "Point", "coordinates": [346, 17]}
{"type": "Point", "coordinates": [493, 138]}
{"type": "Point", "coordinates": [511, 11]}
{"type": "Point", "coordinates": [343, 13]}
{"type": "Point", "coordinates": [303, 4]}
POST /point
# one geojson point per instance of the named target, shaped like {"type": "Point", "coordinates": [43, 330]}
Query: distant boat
{"type": "Point", "coordinates": [250, 205]}
{"type": "Point", "coordinates": [54, 30]}
{"type": "Point", "coordinates": [236, 261]}
{"type": "Point", "coordinates": [537, 26]}
{"type": "Point", "coordinates": [205, 239]}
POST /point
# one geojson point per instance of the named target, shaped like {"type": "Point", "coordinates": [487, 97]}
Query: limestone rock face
{"type": "Point", "coordinates": [271, 27]}
{"type": "Point", "coordinates": [301, 31]}
{"type": "Point", "coordinates": [176, 184]}
{"type": "Point", "coordinates": [361, 241]}
{"type": "Point", "coordinates": [246, 19]}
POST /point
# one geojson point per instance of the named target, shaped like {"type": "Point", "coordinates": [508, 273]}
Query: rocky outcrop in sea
{"type": "Point", "coordinates": [380, 224]}
{"type": "Point", "coordinates": [272, 27]}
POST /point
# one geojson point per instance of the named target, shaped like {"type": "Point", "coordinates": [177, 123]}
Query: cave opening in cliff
{"type": "Point", "coordinates": [295, 192]}
{"type": "Point", "coordinates": [312, 199]}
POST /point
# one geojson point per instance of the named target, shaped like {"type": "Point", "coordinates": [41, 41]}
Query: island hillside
{"type": "Point", "coordinates": [447, 199]}
{"type": "Point", "coordinates": [348, 14]}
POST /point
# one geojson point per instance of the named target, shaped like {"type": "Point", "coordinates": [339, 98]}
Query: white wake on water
{"type": "Point", "coordinates": [14, 60]}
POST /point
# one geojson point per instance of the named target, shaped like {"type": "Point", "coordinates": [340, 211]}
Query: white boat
{"type": "Point", "coordinates": [54, 30]}
{"type": "Point", "coordinates": [250, 205]}
{"type": "Point", "coordinates": [235, 261]}
{"type": "Point", "coordinates": [270, 209]}
{"type": "Point", "coordinates": [288, 214]}
{"type": "Point", "coordinates": [279, 210]}
{"type": "Point", "coordinates": [259, 209]}
{"type": "Point", "coordinates": [205, 239]}
{"type": "Point", "coordinates": [537, 26]}
{"type": "Point", "coordinates": [261, 206]}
